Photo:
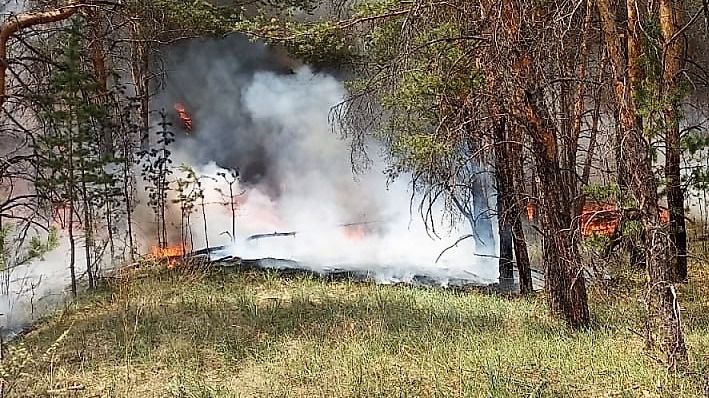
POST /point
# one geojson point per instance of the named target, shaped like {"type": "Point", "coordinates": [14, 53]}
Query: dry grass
{"type": "Point", "coordinates": [179, 334]}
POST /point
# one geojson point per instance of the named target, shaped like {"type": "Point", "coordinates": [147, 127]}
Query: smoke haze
{"type": "Point", "coordinates": [263, 115]}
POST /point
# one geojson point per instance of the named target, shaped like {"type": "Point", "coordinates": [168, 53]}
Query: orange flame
{"type": "Point", "coordinates": [604, 218]}
{"type": "Point", "coordinates": [598, 217]}
{"type": "Point", "coordinates": [185, 117]}
{"type": "Point", "coordinates": [169, 253]}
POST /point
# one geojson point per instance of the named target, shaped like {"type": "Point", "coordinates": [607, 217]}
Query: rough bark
{"type": "Point", "coordinates": [503, 174]}
{"type": "Point", "coordinates": [98, 61]}
{"type": "Point", "coordinates": [670, 22]}
{"type": "Point", "coordinates": [513, 246]}
{"type": "Point", "coordinates": [565, 282]}
{"type": "Point", "coordinates": [663, 308]}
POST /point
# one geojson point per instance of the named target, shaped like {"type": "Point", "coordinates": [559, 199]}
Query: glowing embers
{"type": "Point", "coordinates": [184, 116]}
{"type": "Point", "coordinates": [169, 254]}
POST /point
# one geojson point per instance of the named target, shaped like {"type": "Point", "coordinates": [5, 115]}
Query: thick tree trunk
{"type": "Point", "coordinates": [98, 60]}
{"type": "Point", "coordinates": [565, 281]}
{"type": "Point", "coordinates": [658, 249]}
{"type": "Point", "coordinates": [506, 262]}
{"type": "Point", "coordinates": [670, 23]}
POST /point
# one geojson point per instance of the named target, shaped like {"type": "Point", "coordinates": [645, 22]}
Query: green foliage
{"type": "Point", "coordinates": [602, 192]}
{"type": "Point", "coordinates": [596, 241]}
{"type": "Point", "coordinates": [35, 249]}
{"type": "Point", "coordinates": [167, 19]}
{"type": "Point", "coordinates": [188, 191]}
{"type": "Point", "coordinates": [416, 150]}
{"type": "Point", "coordinates": [695, 145]}
{"type": "Point", "coordinates": [73, 164]}
{"type": "Point", "coordinates": [317, 43]}
{"type": "Point", "coordinates": [633, 228]}
{"type": "Point", "coordinates": [39, 247]}
{"type": "Point", "coordinates": [156, 169]}
{"type": "Point", "coordinates": [374, 8]}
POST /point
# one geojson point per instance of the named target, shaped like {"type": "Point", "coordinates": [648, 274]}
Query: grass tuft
{"type": "Point", "coordinates": [155, 333]}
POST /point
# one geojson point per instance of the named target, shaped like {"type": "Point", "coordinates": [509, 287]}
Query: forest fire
{"type": "Point", "coordinates": [604, 218]}
{"type": "Point", "coordinates": [184, 116]}
{"type": "Point", "coordinates": [597, 218]}
{"type": "Point", "coordinates": [170, 254]}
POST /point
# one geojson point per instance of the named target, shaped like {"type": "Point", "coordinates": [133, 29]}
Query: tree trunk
{"type": "Point", "coordinates": [504, 214]}
{"type": "Point", "coordinates": [72, 250]}
{"type": "Point", "coordinates": [127, 194]}
{"type": "Point", "coordinates": [482, 219]}
{"type": "Point", "coordinates": [565, 282]}
{"type": "Point", "coordinates": [506, 262]}
{"type": "Point", "coordinates": [518, 211]}
{"type": "Point", "coordinates": [521, 256]}
{"type": "Point", "coordinates": [233, 212]}
{"type": "Point", "coordinates": [642, 184]}
{"type": "Point", "coordinates": [98, 60]}
{"type": "Point", "coordinates": [206, 230]}
{"type": "Point", "coordinates": [88, 227]}
{"type": "Point", "coordinates": [670, 23]}
{"type": "Point", "coordinates": [508, 164]}
{"type": "Point", "coordinates": [140, 70]}
{"type": "Point", "coordinates": [22, 21]}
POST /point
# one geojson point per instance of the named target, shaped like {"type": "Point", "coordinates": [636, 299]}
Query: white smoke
{"type": "Point", "coordinates": [251, 114]}
{"type": "Point", "coordinates": [307, 185]}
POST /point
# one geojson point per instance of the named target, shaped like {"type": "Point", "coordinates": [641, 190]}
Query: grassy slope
{"type": "Point", "coordinates": [170, 334]}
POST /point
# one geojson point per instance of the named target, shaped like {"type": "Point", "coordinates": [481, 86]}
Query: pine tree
{"type": "Point", "coordinates": [72, 168]}
{"type": "Point", "coordinates": [155, 172]}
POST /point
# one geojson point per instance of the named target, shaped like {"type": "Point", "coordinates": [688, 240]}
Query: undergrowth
{"type": "Point", "coordinates": [159, 333]}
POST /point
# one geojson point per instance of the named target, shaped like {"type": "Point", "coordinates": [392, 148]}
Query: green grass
{"type": "Point", "coordinates": [177, 334]}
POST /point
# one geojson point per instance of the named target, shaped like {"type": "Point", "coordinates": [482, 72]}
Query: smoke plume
{"type": "Point", "coordinates": [260, 113]}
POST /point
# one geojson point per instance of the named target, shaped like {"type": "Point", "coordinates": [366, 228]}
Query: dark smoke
{"type": "Point", "coordinates": [208, 76]}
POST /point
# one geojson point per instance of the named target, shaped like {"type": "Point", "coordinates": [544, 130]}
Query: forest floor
{"type": "Point", "coordinates": [181, 333]}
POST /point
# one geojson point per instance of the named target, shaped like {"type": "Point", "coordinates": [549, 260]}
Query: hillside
{"type": "Point", "coordinates": [158, 333]}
